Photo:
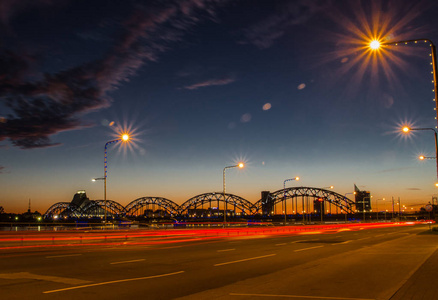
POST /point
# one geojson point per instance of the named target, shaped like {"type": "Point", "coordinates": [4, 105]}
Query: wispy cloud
{"type": "Point", "coordinates": [413, 189]}
{"type": "Point", "coordinates": [56, 102]}
{"type": "Point", "coordinates": [395, 170]}
{"type": "Point", "coordinates": [2, 170]}
{"type": "Point", "coordinates": [210, 82]}
{"type": "Point", "coordinates": [264, 33]}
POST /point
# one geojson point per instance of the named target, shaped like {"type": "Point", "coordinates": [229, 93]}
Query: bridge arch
{"type": "Point", "coordinates": [139, 206]}
{"type": "Point", "coordinates": [209, 205]}
{"type": "Point", "coordinates": [96, 208]}
{"type": "Point", "coordinates": [297, 201]}
{"type": "Point", "coordinates": [61, 210]}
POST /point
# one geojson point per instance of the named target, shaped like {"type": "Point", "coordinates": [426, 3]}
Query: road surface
{"type": "Point", "coordinates": [340, 264]}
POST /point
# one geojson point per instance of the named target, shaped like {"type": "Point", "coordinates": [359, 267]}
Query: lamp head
{"type": "Point", "coordinates": [374, 44]}
{"type": "Point", "coordinates": [241, 165]}
{"type": "Point", "coordinates": [421, 157]}
{"type": "Point", "coordinates": [125, 137]}
{"type": "Point", "coordinates": [297, 178]}
{"type": "Point", "coordinates": [406, 129]}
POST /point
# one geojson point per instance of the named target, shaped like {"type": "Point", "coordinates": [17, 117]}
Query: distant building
{"type": "Point", "coordinates": [80, 199]}
{"type": "Point", "coordinates": [267, 203]}
{"type": "Point", "coordinates": [362, 199]}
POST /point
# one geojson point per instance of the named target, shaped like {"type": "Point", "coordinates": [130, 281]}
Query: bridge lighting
{"type": "Point", "coordinates": [421, 157]}
{"type": "Point", "coordinates": [406, 129]}
{"type": "Point", "coordinates": [241, 165]}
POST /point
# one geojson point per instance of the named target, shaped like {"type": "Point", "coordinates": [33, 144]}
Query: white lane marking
{"type": "Point", "coordinates": [241, 260]}
{"type": "Point", "coordinates": [225, 250]}
{"type": "Point", "coordinates": [27, 275]}
{"type": "Point", "coordinates": [296, 296]}
{"type": "Point", "coordinates": [308, 248]}
{"type": "Point", "coordinates": [298, 241]}
{"type": "Point", "coordinates": [126, 261]}
{"type": "Point", "coordinates": [346, 242]}
{"type": "Point", "coordinates": [363, 239]}
{"type": "Point", "coordinates": [66, 255]}
{"type": "Point", "coordinates": [379, 235]}
{"type": "Point", "coordinates": [312, 240]}
{"type": "Point", "coordinates": [282, 244]}
{"type": "Point", "coordinates": [112, 282]}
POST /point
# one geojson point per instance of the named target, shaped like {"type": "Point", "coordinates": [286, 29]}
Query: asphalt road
{"type": "Point", "coordinates": [340, 264]}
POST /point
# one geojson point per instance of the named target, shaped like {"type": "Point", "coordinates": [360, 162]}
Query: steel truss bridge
{"type": "Point", "coordinates": [289, 201]}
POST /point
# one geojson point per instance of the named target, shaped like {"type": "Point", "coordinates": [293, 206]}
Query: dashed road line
{"type": "Point", "coordinates": [66, 255]}
{"type": "Point", "coordinates": [346, 242]}
{"type": "Point", "coordinates": [225, 250]}
{"type": "Point", "coordinates": [304, 249]}
{"type": "Point", "coordinates": [126, 261]}
{"type": "Point", "coordinates": [242, 260]}
{"type": "Point", "coordinates": [112, 282]}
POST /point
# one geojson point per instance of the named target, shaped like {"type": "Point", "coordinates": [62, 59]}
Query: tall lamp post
{"type": "Point", "coordinates": [123, 138]}
{"type": "Point", "coordinates": [407, 129]}
{"type": "Point", "coordinates": [240, 166]}
{"type": "Point", "coordinates": [345, 198]}
{"type": "Point", "coordinates": [284, 196]}
{"type": "Point", "coordinates": [377, 210]}
{"type": "Point", "coordinates": [375, 44]}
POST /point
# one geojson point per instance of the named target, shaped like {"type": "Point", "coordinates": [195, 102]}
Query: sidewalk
{"type": "Point", "coordinates": [422, 285]}
{"type": "Point", "coordinates": [400, 269]}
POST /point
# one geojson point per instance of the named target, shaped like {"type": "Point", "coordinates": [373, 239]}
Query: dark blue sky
{"type": "Point", "coordinates": [287, 86]}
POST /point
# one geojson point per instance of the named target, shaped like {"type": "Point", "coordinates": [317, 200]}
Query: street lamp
{"type": "Point", "coordinates": [240, 166]}
{"type": "Point", "coordinates": [284, 196]}
{"type": "Point", "coordinates": [422, 157]}
{"type": "Point", "coordinates": [407, 129]}
{"type": "Point", "coordinates": [123, 138]}
{"type": "Point", "coordinates": [377, 217]}
{"type": "Point", "coordinates": [376, 44]}
{"type": "Point", "coordinates": [345, 199]}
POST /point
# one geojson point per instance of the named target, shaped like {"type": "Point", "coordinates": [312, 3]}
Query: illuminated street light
{"type": "Point", "coordinates": [375, 45]}
{"type": "Point", "coordinates": [284, 197]}
{"type": "Point", "coordinates": [422, 157]}
{"type": "Point", "coordinates": [345, 199]}
{"type": "Point", "coordinates": [123, 138]}
{"type": "Point", "coordinates": [407, 129]}
{"type": "Point", "coordinates": [240, 166]}
{"type": "Point", "coordinates": [377, 217]}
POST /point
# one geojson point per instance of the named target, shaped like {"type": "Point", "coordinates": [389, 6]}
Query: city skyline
{"type": "Point", "coordinates": [287, 87]}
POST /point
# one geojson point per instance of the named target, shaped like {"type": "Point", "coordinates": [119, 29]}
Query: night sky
{"type": "Point", "coordinates": [289, 87]}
